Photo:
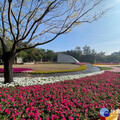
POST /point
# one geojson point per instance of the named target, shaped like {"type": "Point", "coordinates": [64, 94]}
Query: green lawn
{"type": "Point", "coordinates": [106, 68]}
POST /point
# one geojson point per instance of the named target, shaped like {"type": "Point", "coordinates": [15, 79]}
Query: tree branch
{"type": "Point", "coordinates": [38, 20]}
{"type": "Point", "coordinates": [9, 19]}
{"type": "Point", "coordinates": [25, 48]}
{"type": "Point", "coordinates": [18, 30]}
{"type": "Point", "coordinates": [3, 23]}
{"type": "Point", "coordinates": [14, 16]}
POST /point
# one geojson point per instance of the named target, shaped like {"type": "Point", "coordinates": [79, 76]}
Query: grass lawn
{"type": "Point", "coordinates": [106, 68]}
{"type": "Point", "coordinates": [47, 67]}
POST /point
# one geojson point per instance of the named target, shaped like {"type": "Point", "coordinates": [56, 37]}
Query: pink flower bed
{"type": "Point", "coordinates": [78, 99]}
{"type": "Point", "coordinates": [18, 70]}
{"type": "Point", "coordinates": [80, 63]}
{"type": "Point", "coordinates": [106, 64]}
{"type": "Point", "coordinates": [115, 69]}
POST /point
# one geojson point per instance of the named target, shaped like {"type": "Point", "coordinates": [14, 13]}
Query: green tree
{"type": "Point", "coordinates": [100, 57]}
{"type": "Point", "coordinates": [86, 54]}
{"type": "Point", "coordinates": [76, 53]}
{"type": "Point", "coordinates": [31, 55]}
{"type": "Point", "coordinates": [49, 55]}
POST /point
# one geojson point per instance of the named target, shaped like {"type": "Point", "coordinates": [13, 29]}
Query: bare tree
{"type": "Point", "coordinates": [30, 23]}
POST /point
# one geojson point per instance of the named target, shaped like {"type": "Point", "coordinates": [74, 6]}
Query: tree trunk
{"type": "Point", "coordinates": [8, 71]}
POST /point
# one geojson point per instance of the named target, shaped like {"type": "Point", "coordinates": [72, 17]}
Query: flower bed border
{"type": "Point", "coordinates": [18, 70]}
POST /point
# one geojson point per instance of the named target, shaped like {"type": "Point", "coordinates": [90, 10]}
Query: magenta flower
{"type": "Point", "coordinates": [18, 70]}
{"type": "Point", "coordinates": [73, 99]}
{"type": "Point", "coordinates": [48, 118]}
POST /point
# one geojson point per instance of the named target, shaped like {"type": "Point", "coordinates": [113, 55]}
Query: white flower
{"type": "Point", "coordinates": [27, 81]}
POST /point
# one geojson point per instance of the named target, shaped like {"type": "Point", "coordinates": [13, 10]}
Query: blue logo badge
{"type": "Point", "coordinates": [104, 112]}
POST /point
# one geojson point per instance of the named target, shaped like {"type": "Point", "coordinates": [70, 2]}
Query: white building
{"type": "Point", "coordinates": [64, 58]}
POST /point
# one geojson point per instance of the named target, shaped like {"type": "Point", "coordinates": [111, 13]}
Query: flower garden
{"type": "Point", "coordinates": [64, 98]}
{"type": "Point", "coordinates": [18, 70]}
{"type": "Point", "coordinates": [82, 66]}
{"type": "Point", "coordinates": [113, 67]}
{"type": "Point", "coordinates": [106, 64]}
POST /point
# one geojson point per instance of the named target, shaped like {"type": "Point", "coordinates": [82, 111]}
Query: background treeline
{"type": "Point", "coordinates": [38, 55]}
{"type": "Point", "coordinates": [84, 54]}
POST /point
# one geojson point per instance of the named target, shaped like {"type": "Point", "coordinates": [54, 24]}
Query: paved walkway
{"type": "Point", "coordinates": [90, 69]}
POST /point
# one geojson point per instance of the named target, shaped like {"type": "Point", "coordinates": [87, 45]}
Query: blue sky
{"type": "Point", "coordinates": [102, 35]}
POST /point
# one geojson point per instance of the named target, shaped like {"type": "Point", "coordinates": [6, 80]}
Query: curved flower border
{"type": "Point", "coordinates": [27, 81]}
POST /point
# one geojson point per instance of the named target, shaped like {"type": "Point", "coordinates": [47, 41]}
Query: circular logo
{"type": "Point", "coordinates": [104, 112]}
